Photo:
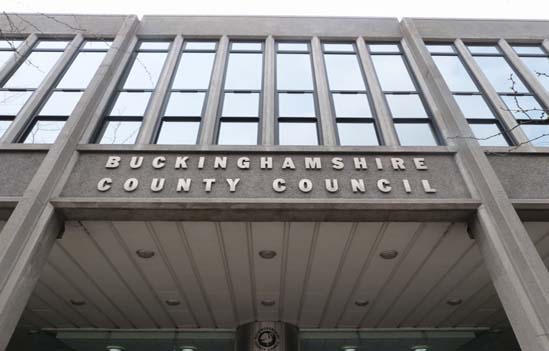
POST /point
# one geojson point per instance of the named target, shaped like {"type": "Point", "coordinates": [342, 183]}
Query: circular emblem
{"type": "Point", "coordinates": [266, 338]}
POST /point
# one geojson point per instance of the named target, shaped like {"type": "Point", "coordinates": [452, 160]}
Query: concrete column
{"type": "Point", "coordinates": [22, 51]}
{"type": "Point", "coordinates": [209, 121]}
{"type": "Point", "coordinates": [384, 119]}
{"type": "Point", "coordinates": [267, 336]}
{"type": "Point", "coordinates": [505, 116]}
{"type": "Point", "coordinates": [30, 232]}
{"type": "Point", "coordinates": [268, 117]}
{"type": "Point", "coordinates": [327, 121]}
{"type": "Point", "coordinates": [29, 110]}
{"type": "Point", "coordinates": [151, 119]}
{"type": "Point", "coordinates": [517, 271]}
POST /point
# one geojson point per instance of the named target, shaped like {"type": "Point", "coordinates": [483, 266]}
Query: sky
{"type": "Point", "coordinates": [523, 9]}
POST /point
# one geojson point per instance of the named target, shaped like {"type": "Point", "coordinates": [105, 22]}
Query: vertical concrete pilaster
{"type": "Point", "coordinates": [327, 121]}
{"type": "Point", "coordinates": [209, 121]}
{"type": "Point", "coordinates": [29, 233]}
{"type": "Point", "coordinates": [268, 116]}
{"type": "Point", "coordinates": [517, 271]}
{"type": "Point", "coordinates": [18, 56]}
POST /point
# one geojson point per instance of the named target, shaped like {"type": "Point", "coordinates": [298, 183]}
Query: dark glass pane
{"type": "Point", "coordinates": [200, 45]}
{"type": "Point", "coordinates": [357, 134]}
{"type": "Point", "coordinates": [60, 45]}
{"type": "Point", "coordinates": [293, 72]}
{"type": "Point", "coordinates": [60, 103]}
{"type": "Point", "coordinates": [406, 106]}
{"type": "Point", "coordinates": [5, 56]}
{"type": "Point", "coordinates": [130, 104]}
{"type": "Point", "coordinates": [10, 44]}
{"type": "Point", "coordinates": [440, 49]}
{"type": "Point", "coordinates": [483, 49]}
{"type": "Point", "coordinates": [44, 132]}
{"type": "Point", "coordinates": [241, 105]}
{"type": "Point", "coordinates": [538, 134]}
{"type": "Point", "coordinates": [178, 133]}
{"type": "Point", "coordinates": [456, 76]}
{"type": "Point", "coordinates": [82, 70]}
{"type": "Point", "coordinates": [154, 45]}
{"type": "Point", "coordinates": [392, 73]}
{"type": "Point", "coordinates": [351, 105]}
{"type": "Point", "coordinates": [473, 106]}
{"type": "Point", "coordinates": [296, 105]}
{"type": "Point", "coordinates": [33, 70]}
{"type": "Point", "coordinates": [120, 132]}
{"type": "Point", "coordinates": [244, 71]}
{"type": "Point", "coordinates": [194, 71]}
{"type": "Point", "coordinates": [339, 47]}
{"type": "Point", "coordinates": [344, 72]}
{"type": "Point", "coordinates": [4, 126]}
{"type": "Point", "coordinates": [384, 48]}
{"type": "Point", "coordinates": [238, 133]}
{"type": "Point", "coordinates": [98, 45]}
{"type": "Point", "coordinates": [246, 46]}
{"type": "Point", "coordinates": [185, 104]}
{"type": "Point", "coordinates": [297, 133]}
{"type": "Point", "coordinates": [488, 134]}
{"type": "Point", "coordinates": [293, 47]}
{"type": "Point", "coordinates": [500, 74]}
{"type": "Point", "coordinates": [540, 67]}
{"type": "Point", "coordinates": [524, 107]}
{"type": "Point", "coordinates": [11, 102]}
{"type": "Point", "coordinates": [415, 134]}
{"type": "Point", "coordinates": [529, 50]}
{"type": "Point", "coordinates": [145, 70]}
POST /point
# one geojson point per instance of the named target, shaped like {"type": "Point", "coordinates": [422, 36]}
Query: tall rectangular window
{"type": "Point", "coordinates": [242, 95]}
{"type": "Point", "coordinates": [350, 99]}
{"type": "Point", "coordinates": [122, 122]}
{"type": "Point", "coordinates": [187, 98]}
{"type": "Point", "coordinates": [296, 99]}
{"type": "Point", "coordinates": [486, 128]}
{"type": "Point", "coordinates": [27, 77]}
{"type": "Point", "coordinates": [411, 119]}
{"type": "Point", "coordinates": [57, 108]}
{"type": "Point", "coordinates": [511, 89]}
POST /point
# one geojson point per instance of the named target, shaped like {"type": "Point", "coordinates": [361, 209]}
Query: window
{"type": "Point", "coordinates": [485, 126]}
{"type": "Point", "coordinates": [520, 102]}
{"type": "Point", "coordinates": [296, 98]}
{"type": "Point", "coordinates": [350, 100]}
{"type": "Point", "coordinates": [537, 60]}
{"type": "Point", "coordinates": [122, 122]}
{"type": "Point", "coordinates": [412, 123]}
{"type": "Point", "coordinates": [7, 49]}
{"type": "Point", "coordinates": [27, 77]}
{"type": "Point", "coordinates": [180, 123]}
{"type": "Point", "coordinates": [241, 102]}
{"type": "Point", "coordinates": [52, 116]}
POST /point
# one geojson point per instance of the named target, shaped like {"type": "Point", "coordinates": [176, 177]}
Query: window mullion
{"type": "Point", "coordinates": [268, 118]}
{"type": "Point", "coordinates": [380, 106]}
{"type": "Point", "coordinates": [506, 118]}
{"type": "Point", "coordinates": [209, 120]}
{"type": "Point", "coordinates": [19, 55]}
{"type": "Point", "coordinates": [152, 114]}
{"type": "Point", "coordinates": [327, 121]}
{"type": "Point", "coordinates": [529, 78]}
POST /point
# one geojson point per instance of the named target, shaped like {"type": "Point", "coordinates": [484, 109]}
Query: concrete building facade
{"type": "Point", "coordinates": [273, 183]}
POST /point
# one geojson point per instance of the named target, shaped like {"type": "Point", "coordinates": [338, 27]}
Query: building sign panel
{"type": "Point", "coordinates": [523, 176]}
{"type": "Point", "coordinates": [18, 168]}
{"type": "Point", "coordinates": [263, 175]}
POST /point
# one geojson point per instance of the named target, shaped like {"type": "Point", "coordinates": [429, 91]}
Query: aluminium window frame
{"type": "Point", "coordinates": [259, 119]}
{"type": "Point", "coordinates": [285, 119]}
